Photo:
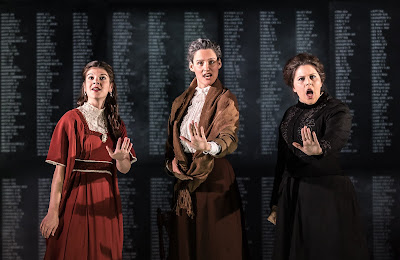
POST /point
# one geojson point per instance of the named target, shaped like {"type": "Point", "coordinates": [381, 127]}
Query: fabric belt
{"type": "Point", "coordinates": [93, 166]}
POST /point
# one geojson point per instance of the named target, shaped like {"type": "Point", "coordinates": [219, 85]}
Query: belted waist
{"type": "Point", "coordinates": [93, 166]}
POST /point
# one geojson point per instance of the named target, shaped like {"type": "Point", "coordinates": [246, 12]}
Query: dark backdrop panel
{"type": "Point", "coordinates": [43, 48]}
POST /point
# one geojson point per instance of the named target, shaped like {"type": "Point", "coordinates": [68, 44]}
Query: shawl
{"type": "Point", "coordinates": [220, 120]}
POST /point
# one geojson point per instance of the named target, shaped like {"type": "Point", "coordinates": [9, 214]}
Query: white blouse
{"type": "Point", "coordinates": [193, 114]}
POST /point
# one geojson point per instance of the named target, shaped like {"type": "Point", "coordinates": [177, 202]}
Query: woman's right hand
{"type": "Point", "coordinates": [272, 216]}
{"type": "Point", "coordinates": [310, 142]}
{"type": "Point", "coordinates": [175, 167]}
{"type": "Point", "coordinates": [49, 224]}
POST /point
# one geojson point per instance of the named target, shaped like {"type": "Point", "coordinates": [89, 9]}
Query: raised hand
{"type": "Point", "coordinates": [310, 142]}
{"type": "Point", "coordinates": [198, 139]}
{"type": "Point", "coordinates": [121, 149]}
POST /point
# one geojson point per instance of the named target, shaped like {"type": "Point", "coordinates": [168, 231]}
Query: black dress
{"type": "Point", "coordinates": [318, 214]}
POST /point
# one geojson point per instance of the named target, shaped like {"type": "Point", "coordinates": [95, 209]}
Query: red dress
{"type": "Point", "coordinates": [90, 211]}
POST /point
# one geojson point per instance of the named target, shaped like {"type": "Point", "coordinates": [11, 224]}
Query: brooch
{"type": "Point", "coordinates": [104, 138]}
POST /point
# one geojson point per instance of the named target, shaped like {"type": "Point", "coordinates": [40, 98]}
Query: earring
{"type": "Point", "coordinates": [85, 93]}
{"type": "Point", "coordinates": [111, 95]}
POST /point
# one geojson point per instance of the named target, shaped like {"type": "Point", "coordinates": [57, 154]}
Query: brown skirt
{"type": "Point", "coordinates": [217, 230]}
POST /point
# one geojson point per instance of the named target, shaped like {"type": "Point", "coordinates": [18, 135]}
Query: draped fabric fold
{"type": "Point", "coordinates": [220, 120]}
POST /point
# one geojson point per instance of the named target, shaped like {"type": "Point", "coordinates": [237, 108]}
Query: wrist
{"type": "Point", "coordinates": [52, 211]}
{"type": "Point", "coordinates": [208, 147]}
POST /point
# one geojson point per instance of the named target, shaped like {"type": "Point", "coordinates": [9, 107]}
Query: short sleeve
{"type": "Point", "coordinates": [123, 135]}
{"type": "Point", "coordinates": [60, 141]}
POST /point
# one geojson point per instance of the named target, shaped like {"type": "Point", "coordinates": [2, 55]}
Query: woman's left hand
{"type": "Point", "coordinates": [310, 142]}
{"type": "Point", "coordinates": [197, 137]}
{"type": "Point", "coordinates": [122, 149]}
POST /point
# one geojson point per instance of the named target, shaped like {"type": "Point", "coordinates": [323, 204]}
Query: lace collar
{"type": "Point", "coordinates": [95, 118]}
{"type": "Point", "coordinates": [202, 90]}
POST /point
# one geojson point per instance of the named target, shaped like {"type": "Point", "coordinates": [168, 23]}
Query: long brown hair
{"type": "Point", "coordinates": [110, 105]}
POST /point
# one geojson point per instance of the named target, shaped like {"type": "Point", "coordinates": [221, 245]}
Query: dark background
{"type": "Point", "coordinates": [43, 47]}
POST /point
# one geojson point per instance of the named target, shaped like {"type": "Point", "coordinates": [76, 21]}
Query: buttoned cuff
{"type": "Point", "coordinates": [215, 149]}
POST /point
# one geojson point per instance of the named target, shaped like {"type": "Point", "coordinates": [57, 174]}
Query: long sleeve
{"type": "Point", "coordinates": [228, 122]}
{"type": "Point", "coordinates": [338, 126]}
{"type": "Point", "coordinates": [332, 127]}
{"type": "Point", "coordinates": [279, 169]}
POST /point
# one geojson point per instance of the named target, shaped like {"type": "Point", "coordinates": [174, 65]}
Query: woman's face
{"type": "Point", "coordinates": [97, 85]}
{"type": "Point", "coordinates": [206, 66]}
{"type": "Point", "coordinates": [307, 84]}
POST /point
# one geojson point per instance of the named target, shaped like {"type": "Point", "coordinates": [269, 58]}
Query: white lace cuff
{"type": "Point", "coordinates": [215, 149]}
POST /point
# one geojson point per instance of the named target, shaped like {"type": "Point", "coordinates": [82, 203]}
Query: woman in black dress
{"type": "Point", "coordinates": [313, 205]}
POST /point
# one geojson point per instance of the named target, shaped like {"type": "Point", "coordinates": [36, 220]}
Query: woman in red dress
{"type": "Point", "coordinates": [89, 144]}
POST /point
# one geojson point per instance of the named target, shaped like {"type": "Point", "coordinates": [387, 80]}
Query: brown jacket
{"type": "Point", "coordinates": [220, 120]}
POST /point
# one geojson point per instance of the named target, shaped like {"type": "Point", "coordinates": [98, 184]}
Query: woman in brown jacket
{"type": "Point", "coordinates": [202, 130]}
